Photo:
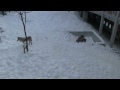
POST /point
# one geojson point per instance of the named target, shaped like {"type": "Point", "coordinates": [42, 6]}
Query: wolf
{"type": "Point", "coordinates": [23, 39]}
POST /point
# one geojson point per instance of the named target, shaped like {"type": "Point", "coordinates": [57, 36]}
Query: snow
{"type": "Point", "coordinates": [54, 53]}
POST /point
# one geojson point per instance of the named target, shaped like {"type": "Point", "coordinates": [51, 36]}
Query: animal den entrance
{"type": "Point", "coordinates": [88, 37]}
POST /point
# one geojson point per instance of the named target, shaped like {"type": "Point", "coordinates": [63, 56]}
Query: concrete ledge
{"type": "Point", "coordinates": [96, 38]}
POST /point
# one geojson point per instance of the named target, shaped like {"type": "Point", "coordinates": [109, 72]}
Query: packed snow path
{"type": "Point", "coordinates": [54, 53]}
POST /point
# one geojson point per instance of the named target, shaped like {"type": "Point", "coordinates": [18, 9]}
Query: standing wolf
{"type": "Point", "coordinates": [23, 39]}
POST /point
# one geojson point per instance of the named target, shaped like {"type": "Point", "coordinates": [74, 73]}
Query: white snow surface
{"type": "Point", "coordinates": [54, 53]}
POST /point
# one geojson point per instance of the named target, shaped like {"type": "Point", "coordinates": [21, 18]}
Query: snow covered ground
{"type": "Point", "coordinates": [54, 53]}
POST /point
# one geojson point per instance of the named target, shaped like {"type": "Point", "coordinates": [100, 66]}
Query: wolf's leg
{"type": "Point", "coordinates": [24, 48]}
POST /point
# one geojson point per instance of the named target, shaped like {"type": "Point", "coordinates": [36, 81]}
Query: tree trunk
{"type": "Point", "coordinates": [23, 19]}
{"type": "Point", "coordinates": [26, 38]}
{"type": "Point", "coordinates": [25, 32]}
